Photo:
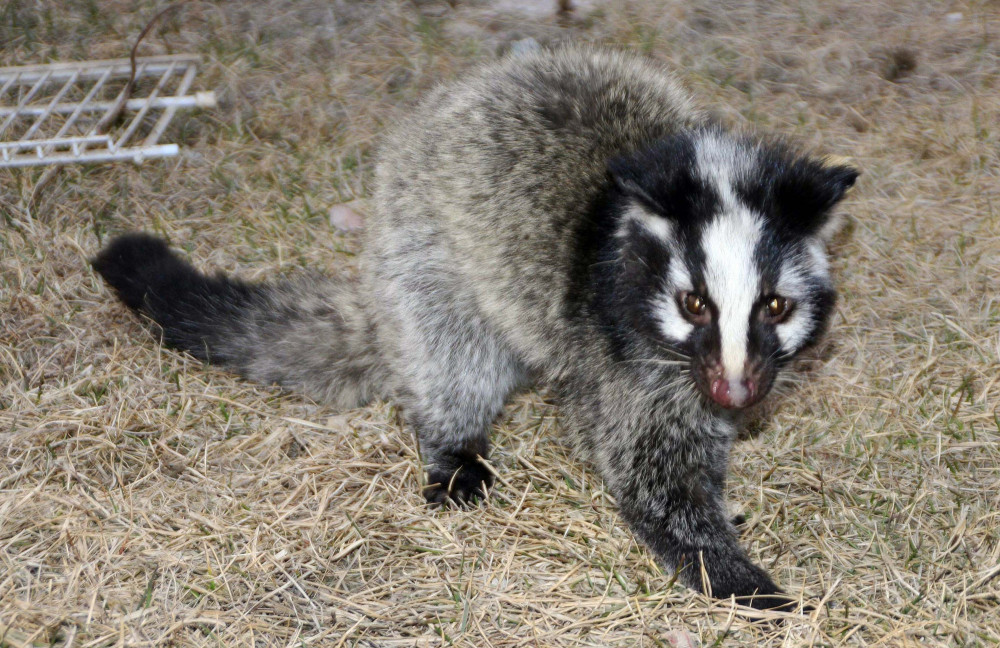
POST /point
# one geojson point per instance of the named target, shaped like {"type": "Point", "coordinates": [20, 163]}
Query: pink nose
{"type": "Point", "coordinates": [720, 392]}
{"type": "Point", "coordinates": [733, 395]}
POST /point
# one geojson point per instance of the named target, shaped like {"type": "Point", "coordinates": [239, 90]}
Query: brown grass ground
{"type": "Point", "coordinates": [146, 499]}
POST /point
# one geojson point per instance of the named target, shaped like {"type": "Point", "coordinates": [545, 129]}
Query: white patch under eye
{"type": "Point", "coordinates": [732, 279]}
{"type": "Point", "coordinates": [672, 322]}
{"type": "Point", "coordinates": [793, 331]}
{"type": "Point", "coordinates": [794, 282]}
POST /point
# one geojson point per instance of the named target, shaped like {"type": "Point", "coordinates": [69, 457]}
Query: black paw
{"type": "Point", "coordinates": [461, 486]}
{"type": "Point", "coordinates": [739, 520]}
{"type": "Point", "coordinates": [750, 586]}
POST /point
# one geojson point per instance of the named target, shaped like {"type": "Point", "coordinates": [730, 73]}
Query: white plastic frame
{"type": "Point", "coordinates": [62, 131]}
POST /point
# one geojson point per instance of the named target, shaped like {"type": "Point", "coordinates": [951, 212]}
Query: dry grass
{"type": "Point", "coordinates": [146, 499]}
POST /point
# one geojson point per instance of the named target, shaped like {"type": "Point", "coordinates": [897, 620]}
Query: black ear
{"type": "Point", "coordinates": [805, 191]}
{"type": "Point", "coordinates": [660, 177]}
{"type": "Point", "coordinates": [634, 180]}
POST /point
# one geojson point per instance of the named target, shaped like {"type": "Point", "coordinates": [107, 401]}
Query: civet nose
{"type": "Point", "coordinates": [720, 392]}
{"type": "Point", "coordinates": [735, 393]}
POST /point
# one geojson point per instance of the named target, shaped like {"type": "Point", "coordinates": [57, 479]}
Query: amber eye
{"type": "Point", "coordinates": [694, 304]}
{"type": "Point", "coordinates": [777, 306]}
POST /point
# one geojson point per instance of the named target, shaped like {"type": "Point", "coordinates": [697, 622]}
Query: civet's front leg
{"type": "Point", "coordinates": [666, 465]}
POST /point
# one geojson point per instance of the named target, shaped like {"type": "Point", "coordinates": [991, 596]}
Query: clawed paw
{"type": "Point", "coordinates": [463, 486]}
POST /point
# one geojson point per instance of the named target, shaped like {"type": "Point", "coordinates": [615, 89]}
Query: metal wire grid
{"type": "Point", "coordinates": [50, 114]}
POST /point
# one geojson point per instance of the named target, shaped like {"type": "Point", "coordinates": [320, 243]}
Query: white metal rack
{"type": "Point", "coordinates": [54, 114]}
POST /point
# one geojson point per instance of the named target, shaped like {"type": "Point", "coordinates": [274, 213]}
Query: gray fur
{"type": "Point", "coordinates": [315, 336]}
{"type": "Point", "coordinates": [470, 288]}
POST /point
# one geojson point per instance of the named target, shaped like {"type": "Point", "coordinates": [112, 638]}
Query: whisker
{"type": "Point", "coordinates": [658, 361]}
{"type": "Point", "coordinates": [673, 352]}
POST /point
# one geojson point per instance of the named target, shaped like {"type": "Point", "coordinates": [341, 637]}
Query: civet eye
{"type": "Point", "coordinates": [777, 306]}
{"type": "Point", "coordinates": [694, 304]}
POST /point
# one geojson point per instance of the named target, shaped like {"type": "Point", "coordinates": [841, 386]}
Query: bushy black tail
{"type": "Point", "coordinates": [314, 336]}
{"type": "Point", "coordinates": [197, 312]}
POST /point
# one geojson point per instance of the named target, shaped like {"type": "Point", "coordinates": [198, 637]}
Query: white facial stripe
{"type": "Point", "coordinates": [792, 281]}
{"type": "Point", "coordinates": [680, 276]}
{"type": "Point", "coordinates": [831, 227]}
{"type": "Point", "coordinates": [656, 225]}
{"type": "Point", "coordinates": [732, 280]}
{"type": "Point", "coordinates": [720, 163]}
{"type": "Point", "coordinates": [729, 243]}
{"type": "Point", "coordinates": [672, 323]}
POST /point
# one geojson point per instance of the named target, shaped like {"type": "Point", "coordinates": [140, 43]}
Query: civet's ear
{"type": "Point", "coordinates": [660, 176]}
{"type": "Point", "coordinates": [805, 190]}
{"type": "Point", "coordinates": [631, 179]}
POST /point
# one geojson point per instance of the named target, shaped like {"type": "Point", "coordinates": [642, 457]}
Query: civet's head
{"type": "Point", "coordinates": [724, 239]}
